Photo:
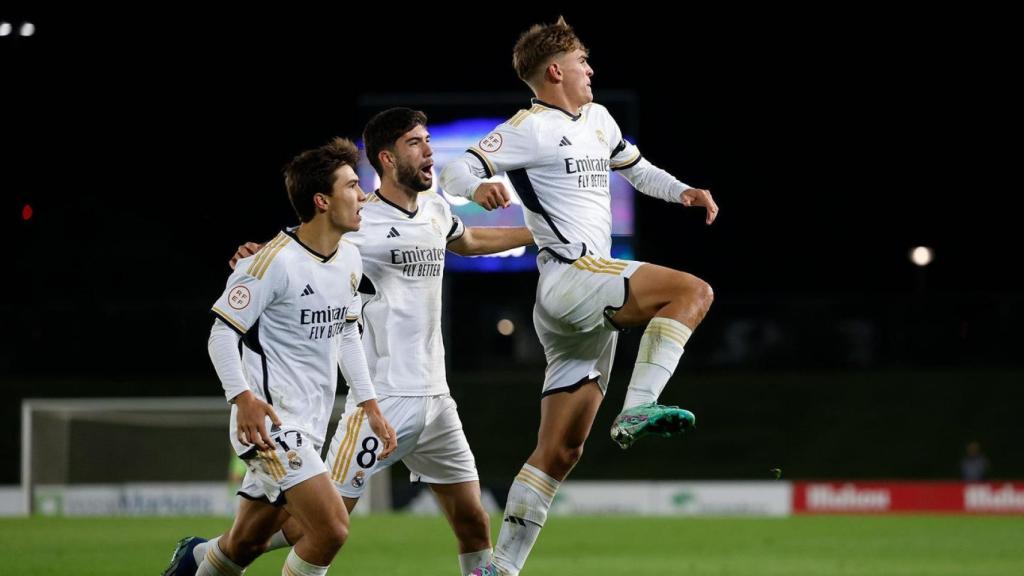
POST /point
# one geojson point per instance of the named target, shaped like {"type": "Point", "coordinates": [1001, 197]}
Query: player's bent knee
{"type": "Point", "coordinates": [696, 292]}
{"type": "Point", "coordinates": [253, 549]}
{"type": "Point", "coordinates": [338, 537]}
{"type": "Point", "coordinates": [333, 535]}
{"type": "Point", "coordinates": [705, 295]}
{"type": "Point", "coordinates": [568, 456]}
{"type": "Point", "coordinates": [242, 552]}
{"type": "Point", "coordinates": [482, 523]}
{"type": "Point", "coordinates": [473, 528]}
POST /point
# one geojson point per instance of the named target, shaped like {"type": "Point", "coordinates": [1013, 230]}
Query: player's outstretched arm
{"type": "Point", "coordinates": [458, 179]}
{"type": "Point", "coordinates": [490, 240]}
{"type": "Point", "coordinates": [655, 182]}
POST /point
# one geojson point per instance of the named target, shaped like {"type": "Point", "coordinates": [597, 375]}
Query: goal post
{"type": "Point", "coordinates": [137, 456]}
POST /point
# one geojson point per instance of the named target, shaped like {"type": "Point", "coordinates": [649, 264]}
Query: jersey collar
{"type": "Point", "coordinates": [291, 232]}
{"type": "Point", "coordinates": [540, 102]}
{"type": "Point", "coordinates": [396, 206]}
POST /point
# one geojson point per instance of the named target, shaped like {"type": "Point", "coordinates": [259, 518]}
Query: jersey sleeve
{"type": "Point", "coordinates": [223, 349]}
{"type": "Point", "coordinates": [508, 147]}
{"type": "Point", "coordinates": [623, 153]}
{"type": "Point", "coordinates": [352, 362]}
{"type": "Point", "coordinates": [355, 309]}
{"type": "Point", "coordinates": [351, 357]}
{"type": "Point", "coordinates": [254, 284]}
{"type": "Point", "coordinates": [457, 228]}
{"type": "Point", "coordinates": [644, 176]}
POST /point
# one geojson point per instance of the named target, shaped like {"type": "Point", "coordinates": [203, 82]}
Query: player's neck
{"type": "Point", "coordinates": [401, 196]}
{"type": "Point", "coordinates": [319, 235]}
{"type": "Point", "coordinates": [553, 96]}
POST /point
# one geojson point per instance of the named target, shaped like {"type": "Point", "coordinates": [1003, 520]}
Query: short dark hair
{"type": "Point", "coordinates": [387, 127]}
{"type": "Point", "coordinates": [312, 172]}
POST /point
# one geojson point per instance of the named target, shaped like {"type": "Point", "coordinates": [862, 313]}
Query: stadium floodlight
{"type": "Point", "coordinates": [922, 255]}
{"type": "Point", "coordinates": [506, 327]}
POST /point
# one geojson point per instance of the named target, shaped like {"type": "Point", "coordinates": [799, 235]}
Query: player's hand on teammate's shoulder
{"type": "Point", "coordinates": [244, 251]}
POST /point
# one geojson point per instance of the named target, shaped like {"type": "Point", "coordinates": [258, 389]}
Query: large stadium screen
{"type": "Point", "coordinates": [449, 140]}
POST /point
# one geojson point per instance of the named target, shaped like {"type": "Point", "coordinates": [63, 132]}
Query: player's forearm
{"type": "Point", "coordinates": [352, 361]}
{"type": "Point", "coordinates": [653, 181]}
{"type": "Point", "coordinates": [491, 239]}
{"type": "Point", "coordinates": [223, 348]}
{"type": "Point", "coordinates": [458, 178]}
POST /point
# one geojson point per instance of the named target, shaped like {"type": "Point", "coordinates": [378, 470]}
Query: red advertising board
{"type": "Point", "coordinates": [899, 497]}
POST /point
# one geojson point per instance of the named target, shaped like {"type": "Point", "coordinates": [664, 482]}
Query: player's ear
{"type": "Point", "coordinates": [386, 158]}
{"type": "Point", "coordinates": [320, 201]}
{"type": "Point", "coordinates": [553, 72]}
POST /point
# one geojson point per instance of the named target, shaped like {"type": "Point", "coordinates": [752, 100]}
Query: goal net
{"type": "Point", "coordinates": [138, 456]}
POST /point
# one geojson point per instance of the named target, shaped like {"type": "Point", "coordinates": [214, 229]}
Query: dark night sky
{"type": "Point", "coordinates": [149, 150]}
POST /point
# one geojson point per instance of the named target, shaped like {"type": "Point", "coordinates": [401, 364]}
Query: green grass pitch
{"type": "Point", "coordinates": [400, 545]}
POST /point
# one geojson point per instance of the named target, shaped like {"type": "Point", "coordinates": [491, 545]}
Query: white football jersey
{"type": "Point", "coordinates": [403, 269]}
{"type": "Point", "coordinates": [559, 165]}
{"type": "Point", "coordinates": [290, 305]}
